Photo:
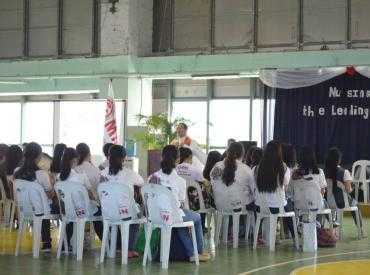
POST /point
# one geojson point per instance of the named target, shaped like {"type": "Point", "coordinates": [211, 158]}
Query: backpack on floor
{"type": "Point", "coordinates": [326, 237]}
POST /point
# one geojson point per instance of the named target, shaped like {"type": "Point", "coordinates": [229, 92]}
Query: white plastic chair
{"type": "Point", "coordinates": [75, 207]}
{"type": "Point", "coordinates": [3, 201]}
{"type": "Point", "coordinates": [359, 176]}
{"type": "Point", "coordinates": [118, 209]}
{"type": "Point", "coordinates": [264, 212]}
{"type": "Point", "coordinates": [33, 208]}
{"type": "Point", "coordinates": [202, 207]}
{"type": "Point", "coordinates": [162, 212]}
{"type": "Point", "coordinates": [347, 207]}
{"type": "Point", "coordinates": [230, 203]}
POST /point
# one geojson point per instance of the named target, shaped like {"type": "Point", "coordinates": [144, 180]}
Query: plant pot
{"type": "Point", "coordinates": [154, 161]}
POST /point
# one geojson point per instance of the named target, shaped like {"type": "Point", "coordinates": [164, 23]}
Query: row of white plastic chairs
{"type": "Point", "coordinates": [118, 211]}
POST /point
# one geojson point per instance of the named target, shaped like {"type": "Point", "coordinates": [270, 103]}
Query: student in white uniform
{"type": "Point", "coordinates": [117, 173]}
{"type": "Point", "coordinates": [70, 176]}
{"type": "Point", "coordinates": [167, 176]}
{"type": "Point", "coordinates": [338, 175]}
{"type": "Point", "coordinates": [185, 168]}
{"type": "Point", "coordinates": [233, 172]}
{"type": "Point", "coordinates": [310, 180]}
{"type": "Point", "coordinates": [31, 172]}
{"type": "Point", "coordinates": [14, 159]}
{"type": "Point", "coordinates": [272, 179]}
{"type": "Point", "coordinates": [85, 166]}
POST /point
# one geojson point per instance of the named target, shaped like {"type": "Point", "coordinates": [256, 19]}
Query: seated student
{"type": "Point", "coordinates": [84, 166]}
{"type": "Point", "coordinates": [3, 151]}
{"type": "Point", "coordinates": [232, 171]}
{"type": "Point", "coordinates": [272, 179]}
{"type": "Point", "coordinates": [30, 171]}
{"type": "Point", "coordinates": [167, 176]}
{"type": "Point", "coordinates": [68, 174]}
{"type": "Point", "coordinates": [55, 163]}
{"type": "Point", "coordinates": [339, 176]}
{"type": "Point", "coordinates": [116, 172]}
{"type": "Point", "coordinates": [185, 169]}
{"type": "Point", "coordinates": [212, 158]}
{"type": "Point", "coordinates": [311, 181]}
{"type": "Point", "coordinates": [14, 158]}
{"type": "Point", "coordinates": [106, 149]}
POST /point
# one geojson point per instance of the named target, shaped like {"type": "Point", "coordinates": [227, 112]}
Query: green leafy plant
{"type": "Point", "coordinates": [159, 130]}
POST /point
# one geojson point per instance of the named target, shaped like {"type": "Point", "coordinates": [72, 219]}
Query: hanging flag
{"type": "Point", "coordinates": [110, 125]}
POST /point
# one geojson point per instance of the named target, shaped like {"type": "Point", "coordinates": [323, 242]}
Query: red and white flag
{"type": "Point", "coordinates": [110, 125]}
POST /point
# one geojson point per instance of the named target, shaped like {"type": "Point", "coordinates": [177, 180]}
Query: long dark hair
{"type": "Point", "coordinates": [212, 158]}
{"type": "Point", "coordinates": [289, 155]}
{"type": "Point", "coordinates": [57, 157]}
{"type": "Point", "coordinates": [307, 162]}
{"type": "Point", "coordinates": [106, 149]}
{"type": "Point", "coordinates": [32, 152]}
{"type": "Point", "coordinates": [234, 152]}
{"type": "Point", "coordinates": [69, 155]}
{"type": "Point", "coordinates": [271, 169]}
{"type": "Point", "coordinates": [83, 151]}
{"type": "Point", "coordinates": [117, 154]}
{"type": "Point", "coordinates": [332, 161]}
{"type": "Point", "coordinates": [184, 153]}
{"type": "Point", "coordinates": [14, 158]}
{"type": "Point", "coordinates": [169, 157]}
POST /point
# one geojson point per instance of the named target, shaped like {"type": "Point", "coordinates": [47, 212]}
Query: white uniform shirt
{"type": "Point", "coordinates": [124, 176]}
{"type": "Point", "coordinates": [243, 177]}
{"type": "Point", "coordinates": [177, 185]}
{"type": "Point", "coordinates": [92, 173]}
{"type": "Point", "coordinates": [189, 171]}
{"type": "Point", "coordinates": [277, 198]}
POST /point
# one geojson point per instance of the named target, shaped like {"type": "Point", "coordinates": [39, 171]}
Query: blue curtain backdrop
{"type": "Point", "coordinates": [325, 127]}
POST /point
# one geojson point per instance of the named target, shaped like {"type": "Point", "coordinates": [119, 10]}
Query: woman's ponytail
{"type": "Point", "coordinates": [234, 152]}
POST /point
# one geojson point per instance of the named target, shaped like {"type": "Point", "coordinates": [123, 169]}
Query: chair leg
{"type": "Point", "coordinates": [236, 220]}
{"type": "Point", "coordinates": [272, 237]}
{"type": "Point", "coordinates": [366, 192]}
{"type": "Point", "coordinates": [225, 228]}
{"type": "Point", "coordinates": [80, 238]}
{"type": "Point", "coordinates": [92, 235]}
{"type": "Point", "coordinates": [218, 222]}
{"type": "Point", "coordinates": [148, 236]}
{"type": "Point", "coordinates": [36, 234]}
{"type": "Point", "coordinates": [248, 225]}
{"type": "Point", "coordinates": [358, 224]}
{"type": "Point", "coordinates": [104, 244]}
{"type": "Point", "coordinates": [340, 220]}
{"type": "Point", "coordinates": [209, 221]}
{"type": "Point", "coordinates": [166, 246]}
{"type": "Point", "coordinates": [195, 246]}
{"type": "Point", "coordinates": [330, 220]}
{"type": "Point", "coordinates": [22, 225]}
{"type": "Point", "coordinates": [113, 241]}
{"type": "Point", "coordinates": [62, 236]}
{"type": "Point", "coordinates": [256, 229]}
{"type": "Point", "coordinates": [296, 239]}
{"type": "Point", "coordinates": [125, 230]}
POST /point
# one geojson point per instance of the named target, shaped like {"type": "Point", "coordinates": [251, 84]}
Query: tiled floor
{"type": "Point", "coordinates": [226, 260]}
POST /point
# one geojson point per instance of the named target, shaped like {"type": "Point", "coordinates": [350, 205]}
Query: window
{"type": "Point", "coordinates": [10, 123]}
{"type": "Point", "coordinates": [229, 118]}
{"type": "Point", "coordinates": [257, 121]}
{"type": "Point", "coordinates": [38, 123]}
{"type": "Point", "coordinates": [196, 113]}
{"type": "Point", "coordinates": [190, 88]}
{"type": "Point", "coordinates": [83, 121]}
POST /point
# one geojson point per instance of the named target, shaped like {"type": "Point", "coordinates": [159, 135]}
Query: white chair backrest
{"type": "Point", "coordinates": [117, 201]}
{"type": "Point", "coordinates": [307, 194]}
{"type": "Point", "coordinates": [73, 199]}
{"type": "Point", "coordinates": [31, 198]}
{"type": "Point", "coordinates": [359, 169]}
{"type": "Point", "coordinates": [330, 195]}
{"type": "Point", "coordinates": [228, 198]}
{"type": "Point", "coordinates": [160, 205]}
{"type": "Point", "coordinates": [262, 202]}
{"type": "Point", "coordinates": [193, 184]}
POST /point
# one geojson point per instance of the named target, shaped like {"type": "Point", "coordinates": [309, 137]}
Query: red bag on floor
{"type": "Point", "coordinates": [326, 237]}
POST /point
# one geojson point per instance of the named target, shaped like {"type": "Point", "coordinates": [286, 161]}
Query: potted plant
{"type": "Point", "coordinates": [158, 132]}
